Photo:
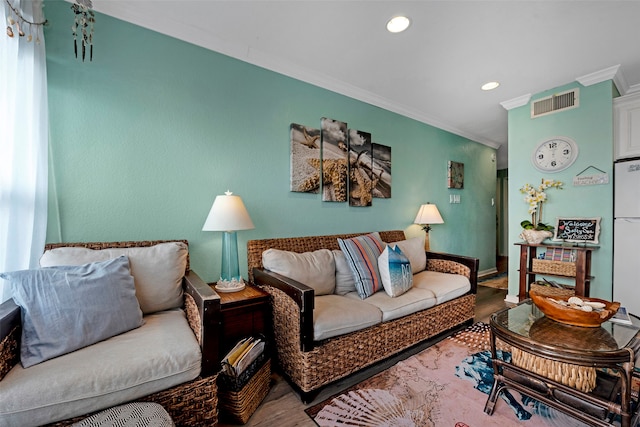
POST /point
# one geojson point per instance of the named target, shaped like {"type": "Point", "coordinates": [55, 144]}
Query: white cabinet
{"type": "Point", "coordinates": [626, 126]}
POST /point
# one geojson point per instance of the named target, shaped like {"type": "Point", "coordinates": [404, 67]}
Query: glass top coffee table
{"type": "Point", "coordinates": [584, 372]}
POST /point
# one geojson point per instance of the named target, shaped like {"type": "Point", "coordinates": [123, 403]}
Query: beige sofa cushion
{"type": "Point", "coordinates": [158, 355]}
{"type": "Point", "coordinates": [335, 315]}
{"type": "Point", "coordinates": [315, 269]}
{"type": "Point", "coordinates": [445, 286]}
{"type": "Point", "coordinates": [414, 250]}
{"type": "Point", "coordinates": [345, 282]}
{"type": "Point", "coordinates": [157, 270]}
{"type": "Point", "coordinates": [394, 308]}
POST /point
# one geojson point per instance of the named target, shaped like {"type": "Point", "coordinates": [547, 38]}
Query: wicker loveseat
{"type": "Point", "coordinates": [184, 384]}
{"type": "Point", "coordinates": [310, 364]}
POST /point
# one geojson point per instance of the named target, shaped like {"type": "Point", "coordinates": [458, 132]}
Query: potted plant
{"type": "Point", "coordinates": [535, 231]}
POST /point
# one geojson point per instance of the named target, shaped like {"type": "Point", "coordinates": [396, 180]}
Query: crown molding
{"type": "Point", "coordinates": [516, 102]}
{"type": "Point", "coordinates": [611, 73]}
{"type": "Point", "coordinates": [633, 89]}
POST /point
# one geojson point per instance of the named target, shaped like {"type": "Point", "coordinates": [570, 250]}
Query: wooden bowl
{"type": "Point", "coordinates": [572, 316]}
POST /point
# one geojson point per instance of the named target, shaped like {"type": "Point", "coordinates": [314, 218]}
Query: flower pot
{"type": "Point", "coordinates": [534, 237]}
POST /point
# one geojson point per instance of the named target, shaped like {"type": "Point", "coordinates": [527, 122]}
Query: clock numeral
{"type": "Point", "coordinates": [553, 145]}
{"type": "Point", "coordinates": [566, 151]}
{"type": "Point", "coordinates": [553, 163]}
{"type": "Point", "coordinates": [540, 156]}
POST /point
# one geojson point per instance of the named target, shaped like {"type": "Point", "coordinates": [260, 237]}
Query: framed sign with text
{"type": "Point", "coordinates": [577, 230]}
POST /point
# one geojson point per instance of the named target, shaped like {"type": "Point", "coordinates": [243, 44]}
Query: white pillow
{"type": "Point", "coordinates": [315, 269]}
{"type": "Point", "coordinates": [414, 250]}
{"type": "Point", "coordinates": [157, 270]}
{"type": "Point", "coordinates": [395, 271]}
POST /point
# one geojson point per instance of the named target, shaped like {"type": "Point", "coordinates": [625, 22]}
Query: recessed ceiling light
{"type": "Point", "coordinates": [398, 24]}
{"type": "Point", "coordinates": [490, 85]}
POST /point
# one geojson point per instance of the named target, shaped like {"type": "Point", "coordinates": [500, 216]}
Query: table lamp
{"type": "Point", "coordinates": [428, 214]}
{"type": "Point", "coordinates": [228, 214]}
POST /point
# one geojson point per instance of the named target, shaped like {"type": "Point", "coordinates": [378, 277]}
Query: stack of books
{"type": "Point", "coordinates": [622, 316]}
{"type": "Point", "coordinates": [241, 355]}
{"type": "Point", "coordinates": [559, 254]}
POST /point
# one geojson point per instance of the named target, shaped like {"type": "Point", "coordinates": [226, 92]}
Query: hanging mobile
{"type": "Point", "coordinates": [83, 24]}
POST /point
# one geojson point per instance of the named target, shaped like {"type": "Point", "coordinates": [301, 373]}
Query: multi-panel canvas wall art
{"type": "Point", "coordinates": [345, 164]}
{"type": "Point", "coordinates": [305, 159]}
{"type": "Point", "coordinates": [334, 160]}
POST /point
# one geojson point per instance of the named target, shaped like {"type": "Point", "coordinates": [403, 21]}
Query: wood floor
{"type": "Point", "coordinates": [283, 408]}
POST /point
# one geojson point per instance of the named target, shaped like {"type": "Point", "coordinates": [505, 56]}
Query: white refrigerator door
{"type": "Point", "coordinates": [626, 264]}
{"type": "Point", "coordinates": [627, 189]}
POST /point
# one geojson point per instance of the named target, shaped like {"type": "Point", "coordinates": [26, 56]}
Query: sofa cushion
{"type": "Point", "coordinates": [414, 250]}
{"type": "Point", "coordinates": [445, 286]}
{"type": "Point", "coordinates": [160, 354]}
{"type": "Point", "coordinates": [157, 270]}
{"type": "Point", "coordinates": [394, 308]}
{"type": "Point", "coordinates": [315, 269]}
{"type": "Point", "coordinates": [345, 282]}
{"type": "Point", "coordinates": [70, 307]}
{"type": "Point", "coordinates": [395, 271]}
{"type": "Point", "coordinates": [335, 315]}
{"type": "Point", "coordinates": [362, 254]}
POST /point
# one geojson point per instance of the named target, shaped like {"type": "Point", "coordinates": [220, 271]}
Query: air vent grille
{"type": "Point", "coordinates": [555, 103]}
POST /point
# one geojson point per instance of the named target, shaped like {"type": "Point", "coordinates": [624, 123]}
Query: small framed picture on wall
{"type": "Point", "coordinates": [455, 175]}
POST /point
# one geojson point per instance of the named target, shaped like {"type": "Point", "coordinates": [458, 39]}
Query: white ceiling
{"type": "Point", "coordinates": [433, 71]}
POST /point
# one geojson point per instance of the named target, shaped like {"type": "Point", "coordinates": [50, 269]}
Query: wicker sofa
{"type": "Point", "coordinates": [191, 402]}
{"type": "Point", "coordinates": [311, 364]}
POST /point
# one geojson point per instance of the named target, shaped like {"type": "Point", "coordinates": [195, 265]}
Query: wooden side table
{"type": "Point", "coordinates": [242, 313]}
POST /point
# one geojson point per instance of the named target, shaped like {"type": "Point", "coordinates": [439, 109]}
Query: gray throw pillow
{"type": "Point", "coordinates": [70, 307]}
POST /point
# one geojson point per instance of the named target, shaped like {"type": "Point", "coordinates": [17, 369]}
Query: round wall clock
{"type": "Point", "coordinates": [554, 154]}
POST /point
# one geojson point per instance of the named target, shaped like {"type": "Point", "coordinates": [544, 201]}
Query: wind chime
{"type": "Point", "coordinates": [83, 27]}
{"type": "Point", "coordinates": [18, 24]}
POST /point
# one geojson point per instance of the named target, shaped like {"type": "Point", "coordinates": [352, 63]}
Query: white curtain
{"type": "Point", "coordinates": [24, 125]}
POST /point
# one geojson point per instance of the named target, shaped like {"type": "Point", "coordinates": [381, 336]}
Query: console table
{"type": "Point", "coordinates": [613, 346]}
{"type": "Point", "coordinates": [582, 276]}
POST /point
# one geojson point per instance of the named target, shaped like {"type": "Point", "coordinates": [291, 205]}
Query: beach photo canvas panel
{"type": "Point", "coordinates": [305, 159]}
{"type": "Point", "coordinates": [334, 160]}
{"type": "Point", "coordinates": [361, 182]}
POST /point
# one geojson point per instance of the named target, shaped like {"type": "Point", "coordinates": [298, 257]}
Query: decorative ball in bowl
{"type": "Point", "coordinates": [576, 311]}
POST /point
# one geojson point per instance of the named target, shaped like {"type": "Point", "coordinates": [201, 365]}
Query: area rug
{"type": "Point", "coordinates": [445, 385]}
{"type": "Point", "coordinates": [500, 281]}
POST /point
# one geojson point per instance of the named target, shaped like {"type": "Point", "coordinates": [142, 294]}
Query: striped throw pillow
{"type": "Point", "coordinates": [362, 254]}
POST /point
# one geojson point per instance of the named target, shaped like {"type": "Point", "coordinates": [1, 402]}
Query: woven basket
{"type": "Point", "coordinates": [239, 403]}
{"type": "Point", "coordinates": [550, 291]}
{"type": "Point", "coordinates": [582, 378]}
{"type": "Point", "coordinates": [554, 267]}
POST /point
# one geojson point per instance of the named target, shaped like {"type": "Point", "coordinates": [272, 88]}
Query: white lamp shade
{"type": "Point", "coordinates": [428, 214]}
{"type": "Point", "coordinates": [228, 214]}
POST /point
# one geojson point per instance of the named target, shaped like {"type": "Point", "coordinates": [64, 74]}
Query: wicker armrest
{"type": "Point", "coordinates": [10, 330]}
{"type": "Point", "coordinates": [204, 319]}
{"type": "Point", "coordinates": [456, 264]}
{"type": "Point", "coordinates": [303, 296]}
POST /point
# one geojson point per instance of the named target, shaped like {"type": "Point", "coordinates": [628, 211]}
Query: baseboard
{"type": "Point", "coordinates": [484, 273]}
{"type": "Point", "coordinates": [512, 299]}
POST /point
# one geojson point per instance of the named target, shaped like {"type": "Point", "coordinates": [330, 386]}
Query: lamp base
{"type": "Point", "coordinates": [233, 285]}
{"type": "Point", "coordinates": [230, 268]}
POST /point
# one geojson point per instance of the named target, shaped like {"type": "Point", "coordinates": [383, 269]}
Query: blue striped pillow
{"type": "Point", "coordinates": [362, 254]}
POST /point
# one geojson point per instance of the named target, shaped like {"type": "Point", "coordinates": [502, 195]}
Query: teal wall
{"type": "Point", "coordinates": [591, 127]}
{"type": "Point", "coordinates": [144, 137]}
